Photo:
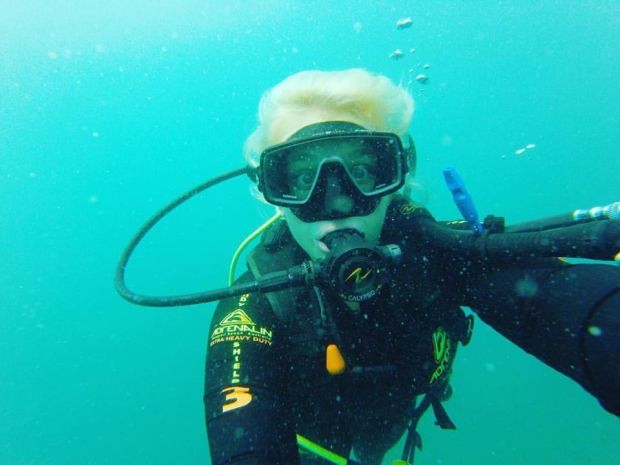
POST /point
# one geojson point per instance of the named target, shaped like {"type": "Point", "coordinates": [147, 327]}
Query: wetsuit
{"type": "Point", "coordinates": [266, 378]}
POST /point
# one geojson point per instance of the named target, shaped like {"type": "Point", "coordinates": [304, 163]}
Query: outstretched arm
{"type": "Point", "coordinates": [568, 316]}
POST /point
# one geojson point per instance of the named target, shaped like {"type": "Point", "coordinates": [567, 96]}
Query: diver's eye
{"type": "Point", "coordinates": [303, 180]}
{"type": "Point", "coordinates": [361, 173]}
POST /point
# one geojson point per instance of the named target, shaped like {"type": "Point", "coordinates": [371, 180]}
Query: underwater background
{"type": "Point", "coordinates": [108, 110]}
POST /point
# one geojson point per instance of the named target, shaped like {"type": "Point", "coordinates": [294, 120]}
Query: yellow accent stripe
{"type": "Point", "coordinates": [320, 451]}
{"type": "Point", "coordinates": [244, 244]}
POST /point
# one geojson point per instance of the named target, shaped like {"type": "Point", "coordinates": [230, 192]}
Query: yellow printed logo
{"type": "Point", "coordinates": [238, 326]}
{"type": "Point", "coordinates": [236, 317]}
{"type": "Point", "coordinates": [442, 352]}
{"type": "Point", "coordinates": [236, 397]}
{"type": "Point", "coordinates": [359, 275]}
{"type": "Point", "coordinates": [407, 209]}
{"type": "Point", "coordinates": [440, 338]}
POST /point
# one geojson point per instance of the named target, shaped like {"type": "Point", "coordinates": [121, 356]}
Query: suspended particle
{"type": "Point", "coordinates": [490, 367]}
{"type": "Point", "coordinates": [412, 50]}
{"type": "Point", "coordinates": [526, 288]}
{"type": "Point", "coordinates": [519, 152]}
{"type": "Point", "coordinates": [397, 54]}
{"type": "Point", "coordinates": [404, 23]}
{"type": "Point", "coordinates": [530, 146]}
{"type": "Point", "coordinates": [595, 331]}
{"type": "Point", "coordinates": [426, 66]}
{"type": "Point", "coordinates": [422, 78]}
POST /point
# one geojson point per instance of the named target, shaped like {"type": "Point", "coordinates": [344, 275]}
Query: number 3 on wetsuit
{"type": "Point", "coordinates": [236, 397]}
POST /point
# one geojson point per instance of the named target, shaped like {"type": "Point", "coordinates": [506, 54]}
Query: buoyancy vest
{"type": "Point", "coordinates": [417, 295]}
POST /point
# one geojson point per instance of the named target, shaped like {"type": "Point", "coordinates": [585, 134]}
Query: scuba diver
{"type": "Point", "coordinates": [344, 329]}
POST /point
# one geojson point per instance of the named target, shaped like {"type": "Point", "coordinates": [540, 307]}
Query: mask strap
{"type": "Point", "coordinates": [410, 153]}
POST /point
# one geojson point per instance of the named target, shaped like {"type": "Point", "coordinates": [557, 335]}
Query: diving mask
{"type": "Point", "coordinates": [333, 158]}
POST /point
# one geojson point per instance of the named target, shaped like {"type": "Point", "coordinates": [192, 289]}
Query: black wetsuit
{"type": "Point", "coordinates": [266, 378]}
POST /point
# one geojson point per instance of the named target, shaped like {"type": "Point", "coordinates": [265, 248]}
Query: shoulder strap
{"type": "Point", "coordinates": [275, 252]}
{"type": "Point", "coordinates": [413, 439]}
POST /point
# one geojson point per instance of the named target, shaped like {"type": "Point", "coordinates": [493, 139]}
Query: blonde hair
{"type": "Point", "coordinates": [355, 95]}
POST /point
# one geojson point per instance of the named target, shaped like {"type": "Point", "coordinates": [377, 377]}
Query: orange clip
{"type": "Point", "coordinates": [334, 362]}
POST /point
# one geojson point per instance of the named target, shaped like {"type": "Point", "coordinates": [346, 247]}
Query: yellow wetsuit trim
{"type": "Point", "coordinates": [244, 244]}
{"type": "Point", "coordinates": [321, 451]}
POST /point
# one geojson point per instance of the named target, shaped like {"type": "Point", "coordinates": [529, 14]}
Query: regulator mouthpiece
{"type": "Point", "coordinates": [354, 268]}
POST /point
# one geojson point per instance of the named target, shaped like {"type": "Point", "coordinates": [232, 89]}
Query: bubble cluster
{"type": "Point", "coordinates": [398, 54]}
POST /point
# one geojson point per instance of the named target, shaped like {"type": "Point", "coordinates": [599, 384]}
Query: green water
{"type": "Point", "coordinates": [108, 110]}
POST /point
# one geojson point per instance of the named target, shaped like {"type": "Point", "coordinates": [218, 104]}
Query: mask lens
{"type": "Point", "coordinates": [373, 162]}
{"type": "Point", "coordinates": [288, 175]}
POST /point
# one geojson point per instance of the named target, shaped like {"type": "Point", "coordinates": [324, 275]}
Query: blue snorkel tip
{"type": "Point", "coordinates": [462, 199]}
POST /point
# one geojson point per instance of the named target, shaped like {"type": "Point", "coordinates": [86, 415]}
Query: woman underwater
{"type": "Point", "coordinates": [342, 369]}
{"type": "Point", "coordinates": [344, 329]}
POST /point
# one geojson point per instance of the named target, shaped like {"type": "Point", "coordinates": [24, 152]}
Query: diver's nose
{"type": "Point", "coordinates": [337, 200]}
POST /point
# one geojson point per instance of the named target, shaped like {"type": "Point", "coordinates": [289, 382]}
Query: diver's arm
{"type": "Point", "coordinates": [245, 413]}
{"type": "Point", "coordinates": [566, 315]}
